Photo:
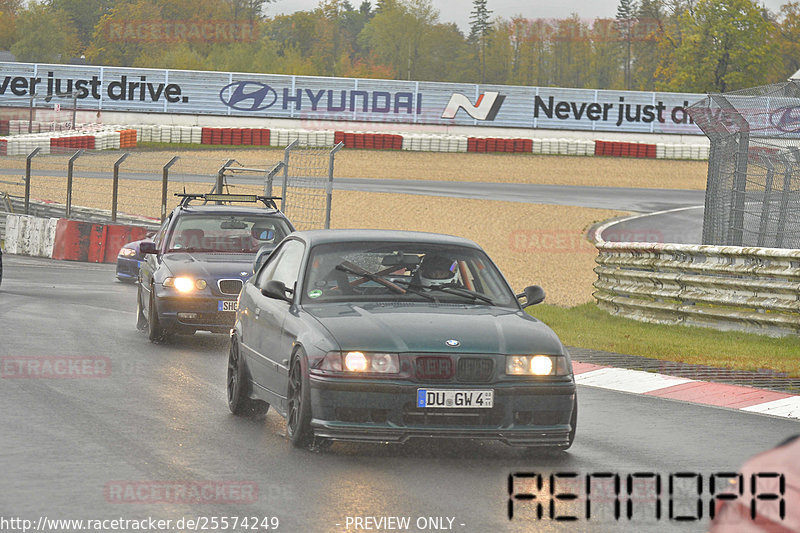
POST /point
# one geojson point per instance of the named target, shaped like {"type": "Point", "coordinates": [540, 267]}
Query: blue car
{"type": "Point", "coordinates": [195, 266]}
{"type": "Point", "coordinates": [129, 260]}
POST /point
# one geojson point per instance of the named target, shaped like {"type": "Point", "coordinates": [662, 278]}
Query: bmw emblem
{"type": "Point", "coordinates": [243, 273]}
{"type": "Point", "coordinates": [452, 343]}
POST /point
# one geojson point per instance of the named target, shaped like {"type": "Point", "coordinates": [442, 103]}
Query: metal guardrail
{"type": "Point", "coordinates": [724, 287]}
{"type": "Point", "coordinates": [54, 210]}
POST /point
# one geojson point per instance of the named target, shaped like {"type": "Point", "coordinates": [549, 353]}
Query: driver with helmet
{"type": "Point", "coordinates": [436, 270]}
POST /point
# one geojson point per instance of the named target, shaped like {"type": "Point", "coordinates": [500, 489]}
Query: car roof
{"type": "Point", "coordinates": [327, 236]}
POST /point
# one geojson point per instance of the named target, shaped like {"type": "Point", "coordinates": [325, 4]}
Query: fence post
{"type": "Point", "coordinates": [330, 185]}
{"type": "Point", "coordinates": [286, 153]}
{"type": "Point", "coordinates": [165, 180]}
{"type": "Point", "coordinates": [271, 177]}
{"type": "Point", "coordinates": [70, 166]}
{"type": "Point", "coordinates": [221, 177]}
{"type": "Point", "coordinates": [28, 179]}
{"type": "Point", "coordinates": [115, 186]}
{"type": "Point", "coordinates": [762, 224]}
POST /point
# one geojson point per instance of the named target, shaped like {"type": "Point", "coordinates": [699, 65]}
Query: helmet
{"type": "Point", "coordinates": [437, 270]}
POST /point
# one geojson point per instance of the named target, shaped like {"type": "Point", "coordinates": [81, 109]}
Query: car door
{"type": "Point", "coordinates": [269, 315]}
{"type": "Point", "coordinates": [150, 264]}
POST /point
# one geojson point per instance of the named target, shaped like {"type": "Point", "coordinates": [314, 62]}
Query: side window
{"type": "Point", "coordinates": [159, 237]}
{"type": "Point", "coordinates": [285, 266]}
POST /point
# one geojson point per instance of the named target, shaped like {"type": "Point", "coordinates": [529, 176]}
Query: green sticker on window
{"type": "Point", "coordinates": [316, 293]}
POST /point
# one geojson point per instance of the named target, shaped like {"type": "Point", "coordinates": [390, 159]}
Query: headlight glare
{"type": "Point", "coordinates": [355, 362]}
{"type": "Point", "coordinates": [184, 284]}
{"type": "Point", "coordinates": [541, 365]}
{"type": "Point", "coordinates": [537, 365]}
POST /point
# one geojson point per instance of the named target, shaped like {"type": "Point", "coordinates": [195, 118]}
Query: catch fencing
{"type": "Point", "coordinates": [753, 190]}
{"type": "Point", "coordinates": [143, 184]}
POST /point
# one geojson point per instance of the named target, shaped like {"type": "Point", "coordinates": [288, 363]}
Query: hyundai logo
{"type": "Point", "coordinates": [786, 119]}
{"type": "Point", "coordinates": [248, 96]}
{"type": "Point", "coordinates": [452, 343]}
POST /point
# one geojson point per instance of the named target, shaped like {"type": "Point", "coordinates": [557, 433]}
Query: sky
{"type": "Point", "coordinates": [458, 10]}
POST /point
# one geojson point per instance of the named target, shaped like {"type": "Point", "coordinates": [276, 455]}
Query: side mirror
{"type": "Point", "coordinates": [261, 256]}
{"type": "Point", "coordinates": [148, 248]}
{"type": "Point", "coordinates": [277, 290]}
{"type": "Point", "coordinates": [533, 295]}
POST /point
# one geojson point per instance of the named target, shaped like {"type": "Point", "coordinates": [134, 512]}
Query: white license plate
{"type": "Point", "coordinates": [447, 398]}
{"type": "Point", "coordinates": [227, 305]}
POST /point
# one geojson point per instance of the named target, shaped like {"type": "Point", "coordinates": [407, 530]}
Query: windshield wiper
{"type": "Point", "coordinates": [349, 267]}
{"type": "Point", "coordinates": [458, 291]}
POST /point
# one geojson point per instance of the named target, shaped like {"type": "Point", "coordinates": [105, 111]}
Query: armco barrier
{"type": "Point", "coordinates": [722, 287]}
{"type": "Point", "coordinates": [28, 235]}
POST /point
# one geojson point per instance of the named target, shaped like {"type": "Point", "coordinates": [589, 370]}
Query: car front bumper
{"type": "Point", "coordinates": [195, 313]}
{"type": "Point", "coordinates": [524, 414]}
{"type": "Point", "coordinates": [128, 269]}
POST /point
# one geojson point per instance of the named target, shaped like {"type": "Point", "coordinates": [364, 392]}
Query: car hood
{"type": "Point", "coordinates": [209, 265]}
{"type": "Point", "coordinates": [422, 328]}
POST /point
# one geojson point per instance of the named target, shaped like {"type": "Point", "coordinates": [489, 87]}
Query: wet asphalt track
{"type": "Point", "coordinates": [159, 414]}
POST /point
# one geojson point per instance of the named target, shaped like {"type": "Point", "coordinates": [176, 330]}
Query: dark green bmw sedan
{"type": "Point", "coordinates": [382, 336]}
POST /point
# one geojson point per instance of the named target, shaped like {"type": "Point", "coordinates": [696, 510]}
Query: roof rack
{"type": "Point", "coordinates": [268, 201]}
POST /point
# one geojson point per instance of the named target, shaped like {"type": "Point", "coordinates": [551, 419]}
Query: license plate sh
{"type": "Point", "coordinates": [227, 305]}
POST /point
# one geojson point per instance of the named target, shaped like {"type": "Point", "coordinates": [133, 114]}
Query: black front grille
{"type": "Point", "coordinates": [230, 286]}
{"type": "Point", "coordinates": [415, 416]}
{"type": "Point", "coordinates": [475, 369]}
{"type": "Point", "coordinates": [434, 368]}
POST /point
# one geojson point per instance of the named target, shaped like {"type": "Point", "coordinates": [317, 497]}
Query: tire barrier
{"type": "Point", "coordinates": [624, 149]}
{"type": "Point", "coordinates": [369, 141]}
{"type": "Point", "coordinates": [121, 137]}
{"type": "Point", "coordinates": [235, 136]}
{"type": "Point", "coordinates": [76, 240]}
{"type": "Point", "coordinates": [477, 144]}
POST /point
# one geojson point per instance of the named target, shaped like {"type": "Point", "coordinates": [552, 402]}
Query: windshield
{"type": "Point", "coordinates": [226, 233]}
{"type": "Point", "coordinates": [380, 272]}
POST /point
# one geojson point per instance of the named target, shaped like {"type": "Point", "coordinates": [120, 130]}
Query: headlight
{"type": "Point", "coordinates": [185, 284]}
{"type": "Point", "coordinates": [361, 362]}
{"type": "Point", "coordinates": [536, 365]}
{"type": "Point", "coordinates": [127, 252]}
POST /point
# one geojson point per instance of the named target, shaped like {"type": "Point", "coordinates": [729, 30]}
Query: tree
{"type": "Point", "coordinates": [726, 47]}
{"type": "Point", "coordinates": [648, 27]}
{"type": "Point", "coordinates": [84, 15]}
{"type": "Point", "coordinates": [45, 35]}
{"type": "Point", "coordinates": [479, 28]}
{"type": "Point", "coordinates": [787, 40]}
{"type": "Point", "coordinates": [8, 22]}
{"type": "Point", "coordinates": [626, 19]}
{"type": "Point", "coordinates": [398, 35]}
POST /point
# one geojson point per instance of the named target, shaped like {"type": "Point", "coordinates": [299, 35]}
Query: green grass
{"type": "Point", "coordinates": [587, 326]}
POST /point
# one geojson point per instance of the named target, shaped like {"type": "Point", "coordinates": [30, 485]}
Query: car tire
{"type": "Point", "coordinates": [141, 320]}
{"type": "Point", "coordinates": [155, 332]}
{"type": "Point", "coordinates": [238, 387]}
{"type": "Point", "coordinates": [298, 412]}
